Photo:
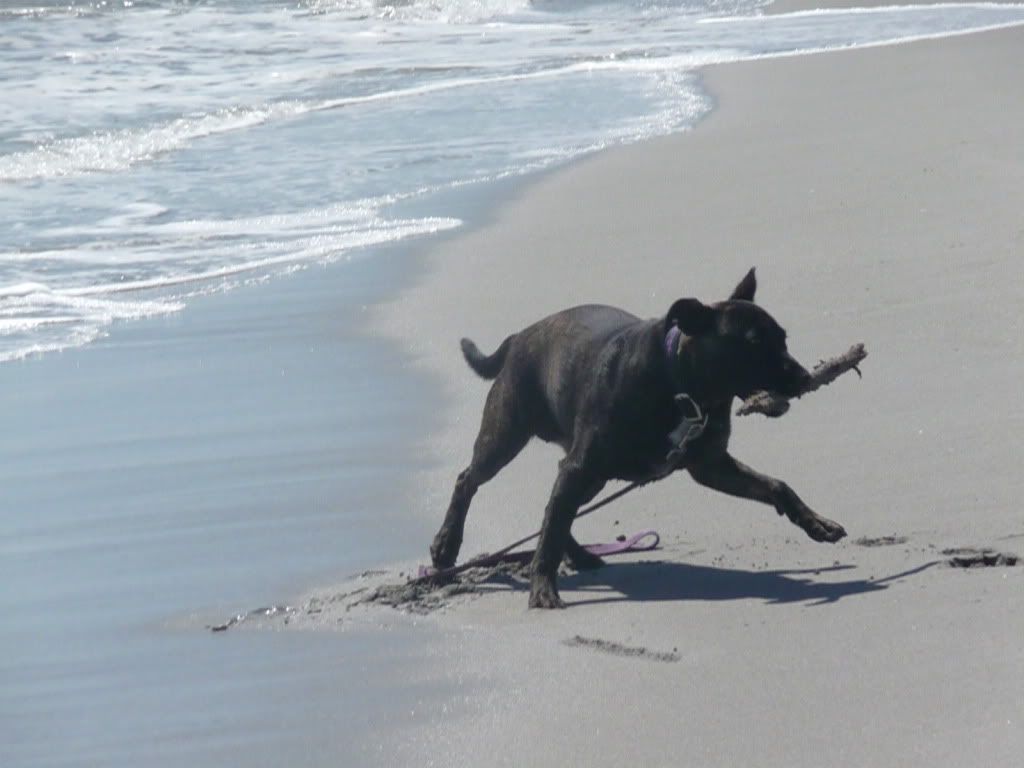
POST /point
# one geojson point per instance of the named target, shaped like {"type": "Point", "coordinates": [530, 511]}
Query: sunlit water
{"type": "Point", "coordinates": [157, 149]}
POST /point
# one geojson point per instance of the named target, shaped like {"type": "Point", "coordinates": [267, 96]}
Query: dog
{"type": "Point", "coordinates": [605, 386]}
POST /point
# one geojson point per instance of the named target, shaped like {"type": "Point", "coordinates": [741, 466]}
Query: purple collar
{"type": "Point", "coordinates": [672, 342]}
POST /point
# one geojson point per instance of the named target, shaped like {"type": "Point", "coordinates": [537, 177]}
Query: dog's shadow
{"type": "Point", "coordinates": [664, 580]}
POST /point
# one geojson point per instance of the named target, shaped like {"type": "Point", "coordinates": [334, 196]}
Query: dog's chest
{"type": "Point", "coordinates": [636, 433]}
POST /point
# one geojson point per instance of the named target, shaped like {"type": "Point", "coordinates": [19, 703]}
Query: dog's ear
{"type": "Point", "coordinates": [745, 289]}
{"type": "Point", "coordinates": [692, 317]}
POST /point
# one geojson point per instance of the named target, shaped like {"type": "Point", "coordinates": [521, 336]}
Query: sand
{"type": "Point", "coordinates": [879, 193]}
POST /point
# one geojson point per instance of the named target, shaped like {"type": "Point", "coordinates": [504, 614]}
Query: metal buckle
{"type": "Point", "coordinates": [690, 428]}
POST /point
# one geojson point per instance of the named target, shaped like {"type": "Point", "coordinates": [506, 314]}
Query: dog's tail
{"type": "Point", "coordinates": [486, 366]}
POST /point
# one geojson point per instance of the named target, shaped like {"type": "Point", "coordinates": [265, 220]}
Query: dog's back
{"type": "Point", "coordinates": [549, 363]}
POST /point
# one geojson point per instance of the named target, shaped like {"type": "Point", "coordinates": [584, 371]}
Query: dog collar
{"type": "Point", "coordinates": [692, 418]}
{"type": "Point", "coordinates": [673, 346]}
{"type": "Point", "coordinates": [672, 339]}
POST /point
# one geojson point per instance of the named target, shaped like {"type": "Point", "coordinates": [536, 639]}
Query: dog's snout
{"type": "Point", "coordinates": [804, 378]}
{"type": "Point", "coordinates": [801, 373]}
{"type": "Point", "coordinates": [797, 377]}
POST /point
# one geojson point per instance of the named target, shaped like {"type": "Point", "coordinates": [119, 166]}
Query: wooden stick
{"type": "Point", "coordinates": [774, 405]}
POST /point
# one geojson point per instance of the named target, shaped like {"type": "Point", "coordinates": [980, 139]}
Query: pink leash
{"type": "Point", "coordinates": [644, 541]}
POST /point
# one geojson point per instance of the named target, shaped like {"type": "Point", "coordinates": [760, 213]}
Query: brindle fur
{"type": "Point", "coordinates": [597, 381]}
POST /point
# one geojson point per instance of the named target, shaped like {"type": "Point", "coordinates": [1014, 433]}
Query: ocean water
{"type": "Point", "coordinates": [155, 150]}
{"type": "Point", "coordinates": [168, 452]}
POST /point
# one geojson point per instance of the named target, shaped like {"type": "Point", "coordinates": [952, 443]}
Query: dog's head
{"type": "Point", "coordinates": [738, 344]}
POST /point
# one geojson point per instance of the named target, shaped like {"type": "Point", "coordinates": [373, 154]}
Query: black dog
{"type": "Point", "coordinates": [603, 384]}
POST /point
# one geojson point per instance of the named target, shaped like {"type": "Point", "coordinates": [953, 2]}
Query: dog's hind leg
{"type": "Point", "coordinates": [503, 434]}
{"type": "Point", "coordinates": [574, 487]}
{"type": "Point", "coordinates": [579, 558]}
{"type": "Point", "coordinates": [723, 473]}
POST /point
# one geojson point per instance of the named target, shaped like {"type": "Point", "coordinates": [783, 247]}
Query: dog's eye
{"type": "Point", "coordinates": [751, 337]}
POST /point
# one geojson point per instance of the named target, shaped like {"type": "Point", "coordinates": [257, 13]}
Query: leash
{"type": "Point", "coordinates": [426, 573]}
{"type": "Point", "coordinates": [634, 543]}
{"type": "Point", "coordinates": [690, 428]}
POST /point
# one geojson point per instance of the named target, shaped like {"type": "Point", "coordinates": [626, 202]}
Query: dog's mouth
{"type": "Point", "coordinates": [788, 383]}
{"type": "Point", "coordinates": [798, 387]}
{"type": "Point", "coordinates": [743, 394]}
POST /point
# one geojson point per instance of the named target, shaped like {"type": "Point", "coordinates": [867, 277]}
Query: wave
{"type": "Point", "coordinates": [117, 151]}
{"type": "Point", "coordinates": [35, 318]}
{"type": "Point", "coordinates": [120, 150]}
{"type": "Point", "coordinates": [449, 11]}
{"type": "Point", "coordinates": [180, 259]}
{"type": "Point", "coordinates": [316, 247]}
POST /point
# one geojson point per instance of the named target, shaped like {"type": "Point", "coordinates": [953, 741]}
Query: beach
{"type": "Point", "coordinates": [886, 212]}
{"type": "Point", "coordinates": [258, 459]}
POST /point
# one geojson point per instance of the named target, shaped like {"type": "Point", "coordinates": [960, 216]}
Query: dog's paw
{"type": "Point", "coordinates": [822, 529]}
{"type": "Point", "coordinates": [444, 550]}
{"type": "Point", "coordinates": [544, 594]}
{"type": "Point", "coordinates": [584, 560]}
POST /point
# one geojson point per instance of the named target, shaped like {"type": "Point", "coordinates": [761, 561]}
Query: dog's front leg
{"type": "Point", "coordinates": [573, 488]}
{"type": "Point", "coordinates": [723, 473]}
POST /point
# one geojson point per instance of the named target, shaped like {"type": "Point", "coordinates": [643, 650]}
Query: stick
{"type": "Point", "coordinates": [774, 405]}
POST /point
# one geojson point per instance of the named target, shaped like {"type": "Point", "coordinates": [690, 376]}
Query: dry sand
{"type": "Point", "coordinates": [880, 194]}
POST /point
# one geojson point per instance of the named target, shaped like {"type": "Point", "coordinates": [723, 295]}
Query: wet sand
{"type": "Point", "coordinates": [188, 468]}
